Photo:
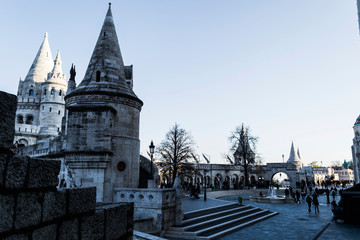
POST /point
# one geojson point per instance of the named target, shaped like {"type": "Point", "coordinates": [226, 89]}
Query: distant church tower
{"type": "Point", "coordinates": [103, 146]}
{"type": "Point", "coordinates": [40, 99]}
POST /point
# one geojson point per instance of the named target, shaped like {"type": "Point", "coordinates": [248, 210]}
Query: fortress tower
{"type": "Point", "coordinates": [40, 99]}
{"type": "Point", "coordinates": [103, 112]}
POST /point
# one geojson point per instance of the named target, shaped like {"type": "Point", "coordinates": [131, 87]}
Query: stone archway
{"type": "Point", "coordinates": [289, 169]}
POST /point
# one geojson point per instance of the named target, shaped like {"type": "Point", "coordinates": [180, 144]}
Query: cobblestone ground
{"type": "Point", "coordinates": [293, 222]}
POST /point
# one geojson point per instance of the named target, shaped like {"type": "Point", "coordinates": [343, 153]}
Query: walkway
{"type": "Point", "coordinates": [293, 222]}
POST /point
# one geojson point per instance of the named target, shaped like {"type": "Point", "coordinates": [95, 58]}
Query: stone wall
{"type": "Point", "coordinates": [31, 207]}
{"type": "Point", "coordinates": [7, 115]}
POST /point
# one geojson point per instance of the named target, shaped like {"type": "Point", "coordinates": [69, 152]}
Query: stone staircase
{"type": "Point", "coordinates": [215, 222]}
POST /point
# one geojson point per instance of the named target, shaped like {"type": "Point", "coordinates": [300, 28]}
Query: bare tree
{"type": "Point", "coordinates": [176, 152]}
{"type": "Point", "coordinates": [243, 147]}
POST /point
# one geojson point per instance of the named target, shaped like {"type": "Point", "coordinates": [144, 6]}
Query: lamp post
{"type": "Point", "coordinates": [151, 148]}
{"type": "Point", "coordinates": [205, 184]}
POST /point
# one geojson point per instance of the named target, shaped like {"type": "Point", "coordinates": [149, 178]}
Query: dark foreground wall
{"type": "Point", "coordinates": [31, 207]}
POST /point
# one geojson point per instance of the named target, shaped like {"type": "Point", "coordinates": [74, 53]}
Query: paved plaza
{"type": "Point", "coordinates": [293, 222]}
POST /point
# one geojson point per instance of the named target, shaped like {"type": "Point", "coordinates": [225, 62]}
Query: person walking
{"type": "Point", "coordinates": [297, 193]}
{"type": "Point", "coordinates": [316, 202]}
{"type": "Point", "coordinates": [308, 201]}
{"type": "Point", "coordinates": [327, 195]}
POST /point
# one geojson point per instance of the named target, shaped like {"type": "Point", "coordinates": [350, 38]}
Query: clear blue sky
{"type": "Point", "coordinates": [288, 69]}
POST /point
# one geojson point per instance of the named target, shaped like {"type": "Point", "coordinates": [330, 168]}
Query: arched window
{"type": "Point", "coordinates": [50, 110]}
{"type": "Point", "coordinates": [31, 92]}
{"type": "Point", "coordinates": [20, 119]}
{"type": "Point", "coordinates": [29, 119]}
{"type": "Point", "coordinates": [52, 91]}
{"type": "Point", "coordinates": [60, 92]}
{"type": "Point", "coordinates": [59, 112]}
{"type": "Point", "coordinates": [45, 91]}
{"type": "Point", "coordinates": [98, 76]}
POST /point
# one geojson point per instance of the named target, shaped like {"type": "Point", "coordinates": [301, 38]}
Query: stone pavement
{"type": "Point", "coordinates": [293, 222]}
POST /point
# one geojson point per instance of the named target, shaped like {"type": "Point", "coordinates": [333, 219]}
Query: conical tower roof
{"type": "Point", "coordinates": [57, 74]}
{"type": "Point", "coordinates": [106, 71]}
{"type": "Point", "coordinates": [43, 63]}
{"type": "Point", "coordinates": [294, 158]}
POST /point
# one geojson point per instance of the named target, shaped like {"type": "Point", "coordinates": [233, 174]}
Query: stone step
{"type": "Point", "coordinates": [212, 225]}
{"type": "Point", "coordinates": [238, 227]}
{"type": "Point", "coordinates": [214, 221]}
{"type": "Point", "coordinates": [201, 212]}
{"type": "Point", "coordinates": [214, 215]}
{"type": "Point", "coordinates": [228, 224]}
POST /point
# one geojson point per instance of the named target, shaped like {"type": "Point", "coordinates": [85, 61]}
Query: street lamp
{"type": "Point", "coordinates": [151, 148]}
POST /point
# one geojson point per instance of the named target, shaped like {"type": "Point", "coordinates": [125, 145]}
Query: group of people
{"type": "Point", "coordinates": [193, 190]}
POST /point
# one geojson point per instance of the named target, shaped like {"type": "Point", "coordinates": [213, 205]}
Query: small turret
{"type": "Point", "coordinates": [293, 157]}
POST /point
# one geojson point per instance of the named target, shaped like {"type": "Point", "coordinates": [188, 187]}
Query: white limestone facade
{"type": "Point", "coordinates": [40, 99]}
{"type": "Point", "coordinates": [355, 149]}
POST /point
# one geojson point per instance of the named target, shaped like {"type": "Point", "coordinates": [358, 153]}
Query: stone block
{"type": "Point", "coordinates": [16, 172]}
{"type": "Point", "coordinates": [92, 227]}
{"type": "Point", "coordinates": [43, 173]}
{"type": "Point", "coordinates": [28, 209]}
{"type": "Point", "coordinates": [81, 200]}
{"type": "Point", "coordinates": [3, 160]}
{"type": "Point", "coordinates": [6, 212]}
{"type": "Point", "coordinates": [54, 205]}
{"type": "Point", "coordinates": [119, 220]}
{"type": "Point", "coordinates": [69, 230]}
{"type": "Point", "coordinates": [17, 237]}
{"type": "Point", "coordinates": [45, 233]}
{"type": "Point", "coordinates": [8, 103]}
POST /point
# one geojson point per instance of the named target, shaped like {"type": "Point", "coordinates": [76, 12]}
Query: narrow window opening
{"type": "Point", "coordinates": [59, 112]}
{"type": "Point", "coordinates": [31, 92]}
{"type": "Point", "coordinates": [19, 129]}
{"type": "Point", "coordinates": [42, 107]}
{"type": "Point", "coordinates": [58, 129]}
{"type": "Point", "coordinates": [104, 34]}
{"type": "Point", "coordinates": [20, 120]}
{"type": "Point", "coordinates": [50, 110]}
{"type": "Point", "coordinates": [60, 92]}
{"type": "Point", "coordinates": [98, 76]}
{"type": "Point", "coordinates": [44, 91]}
{"type": "Point", "coordinates": [52, 91]}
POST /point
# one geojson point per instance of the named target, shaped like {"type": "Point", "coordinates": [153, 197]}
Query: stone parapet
{"type": "Point", "coordinates": [31, 207]}
{"type": "Point", "coordinates": [156, 204]}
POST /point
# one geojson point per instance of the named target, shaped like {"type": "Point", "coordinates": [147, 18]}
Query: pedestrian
{"type": "Point", "coordinates": [333, 194]}
{"type": "Point", "coordinates": [297, 197]}
{"type": "Point", "coordinates": [316, 202]}
{"type": "Point", "coordinates": [327, 195]}
{"type": "Point", "coordinates": [287, 193]}
{"type": "Point", "coordinates": [308, 201]}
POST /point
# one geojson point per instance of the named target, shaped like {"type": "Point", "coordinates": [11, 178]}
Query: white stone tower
{"type": "Point", "coordinates": [356, 150]}
{"type": "Point", "coordinates": [32, 100]}
{"type": "Point", "coordinates": [103, 146]}
{"type": "Point", "coordinates": [294, 158]}
{"type": "Point", "coordinates": [52, 105]}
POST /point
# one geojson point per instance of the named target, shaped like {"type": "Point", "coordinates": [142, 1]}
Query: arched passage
{"type": "Point", "coordinates": [280, 179]}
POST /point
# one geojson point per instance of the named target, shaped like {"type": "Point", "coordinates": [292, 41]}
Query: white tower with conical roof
{"type": "Point", "coordinates": [52, 105]}
{"type": "Point", "coordinates": [32, 98]}
{"type": "Point", "coordinates": [294, 158]}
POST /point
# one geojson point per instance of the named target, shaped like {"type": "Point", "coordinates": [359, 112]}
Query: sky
{"type": "Point", "coordinates": [287, 69]}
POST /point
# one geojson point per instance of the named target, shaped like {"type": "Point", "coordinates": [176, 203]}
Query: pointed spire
{"type": "Point", "coordinates": [71, 82]}
{"type": "Point", "coordinates": [294, 158]}
{"type": "Point", "coordinates": [42, 63]}
{"type": "Point", "coordinates": [57, 72]}
{"type": "Point", "coordinates": [106, 63]}
{"type": "Point", "coordinates": [106, 70]}
{"type": "Point", "coordinates": [298, 153]}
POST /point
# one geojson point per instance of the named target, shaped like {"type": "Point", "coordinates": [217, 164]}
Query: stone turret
{"type": "Point", "coordinates": [30, 95]}
{"type": "Point", "coordinates": [294, 158]}
{"type": "Point", "coordinates": [103, 146]}
{"type": "Point", "coordinates": [355, 148]}
{"type": "Point", "coordinates": [52, 104]}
